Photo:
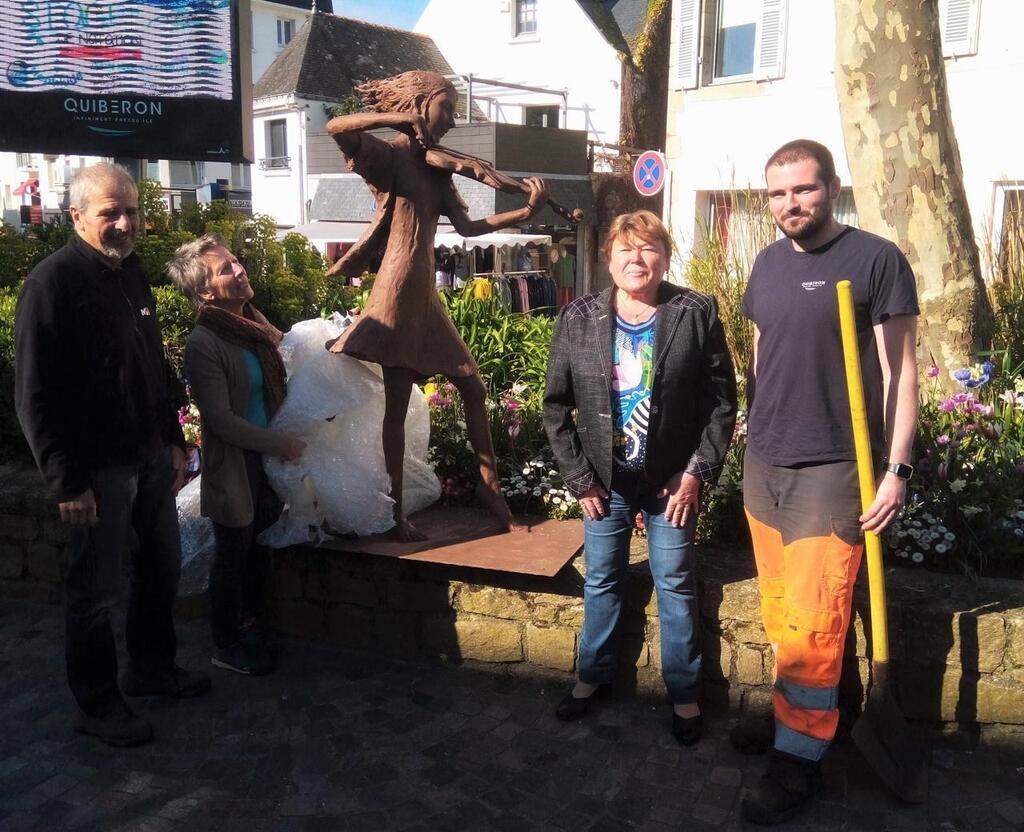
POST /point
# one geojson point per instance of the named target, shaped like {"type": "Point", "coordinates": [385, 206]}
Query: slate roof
{"type": "Point", "coordinates": [620, 21]}
{"type": "Point", "coordinates": [330, 55]}
{"type": "Point", "coordinates": [321, 5]}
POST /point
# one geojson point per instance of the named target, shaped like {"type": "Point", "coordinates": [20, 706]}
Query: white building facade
{"type": "Point", "coordinates": [551, 44]}
{"type": "Point", "coordinates": [749, 75]}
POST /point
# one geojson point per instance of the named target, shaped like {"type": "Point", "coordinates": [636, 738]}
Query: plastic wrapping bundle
{"type": "Point", "coordinates": [196, 542]}
{"type": "Point", "coordinates": [336, 405]}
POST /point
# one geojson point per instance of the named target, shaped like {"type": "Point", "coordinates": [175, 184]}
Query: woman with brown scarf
{"type": "Point", "coordinates": [238, 383]}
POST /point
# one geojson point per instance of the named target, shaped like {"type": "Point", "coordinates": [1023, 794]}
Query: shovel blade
{"type": "Point", "coordinates": [884, 739]}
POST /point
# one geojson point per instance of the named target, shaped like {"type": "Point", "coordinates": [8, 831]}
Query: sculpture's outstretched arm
{"type": "Point", "coordinates": [538, 196]}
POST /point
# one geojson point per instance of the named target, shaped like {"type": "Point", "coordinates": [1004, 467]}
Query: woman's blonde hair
{"type": "Point", "coordinates": [187, 269]}
{"type": "Point", "coordinates": [642, 225]}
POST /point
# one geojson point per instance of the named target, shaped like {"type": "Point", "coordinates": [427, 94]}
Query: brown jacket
{"type": "Point", "coordinates": [219, 380]}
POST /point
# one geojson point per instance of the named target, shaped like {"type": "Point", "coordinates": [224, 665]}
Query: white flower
{"type": "Point", "coordinates": [526, 471]}
{"type": "Point", "coordinates": [1019, 532]}
{"type": "Point", "coordinates": [1020, 515]}
{"type": "Point", "coordinates": [901, 553]}
{"type": "Point", "coordinates": [941, 548]}
{"type": "Point", "coordinates": [949, 536]}
{"type": "Point", "coordinates": [556, 500]}
{"type": "Point", "coordinates": [552, 473]}
{"type": "Point", "coordinates": [917, 557]}
{"type": "Point", "coordinates": [957, 485]}
{"type": "Point", "coordinates": [970, 511]}
{"type": "Point", "coordinates": [536, 492]}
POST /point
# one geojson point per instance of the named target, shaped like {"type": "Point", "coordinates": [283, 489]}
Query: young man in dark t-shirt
{"type": "Point", "coordinates": [800, 476]}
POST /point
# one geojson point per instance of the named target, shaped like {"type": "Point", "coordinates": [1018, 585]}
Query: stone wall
{"type": "Point", "coordinates": [958, 647]}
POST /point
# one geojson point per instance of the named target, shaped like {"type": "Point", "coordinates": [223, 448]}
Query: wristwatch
{"type": "Point", "coordinates": [904, 472]}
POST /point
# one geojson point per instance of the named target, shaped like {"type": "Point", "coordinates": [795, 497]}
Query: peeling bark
{"type": "Point", "coordinates": [905, 163]}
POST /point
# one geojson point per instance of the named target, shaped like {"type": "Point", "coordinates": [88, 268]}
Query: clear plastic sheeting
{"type": "Point", "coordinates": [336, 405]}
{"type": "Point", "coordinates": [196, 542]}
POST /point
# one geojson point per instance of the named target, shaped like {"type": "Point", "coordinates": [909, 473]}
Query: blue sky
{"type": "Point", "coordinates": [402, 14]}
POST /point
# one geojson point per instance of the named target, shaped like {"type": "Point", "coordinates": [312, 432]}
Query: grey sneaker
{"type": "Point", "coordinates": [242, 660]}
{"type": "Point", "coordinates": [121, 728]}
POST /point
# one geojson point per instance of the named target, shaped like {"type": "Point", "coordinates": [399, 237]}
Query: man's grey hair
{"type": "Point", "coordinates": [87, 181]}
{"type": "Point", "coordinates": [187, 270]}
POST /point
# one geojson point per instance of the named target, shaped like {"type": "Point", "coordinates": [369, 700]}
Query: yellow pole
{"type": "Point", "coordinates": [865, 469]}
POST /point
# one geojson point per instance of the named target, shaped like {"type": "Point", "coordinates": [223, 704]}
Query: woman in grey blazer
{"type": "Point", "coordinates": [238, 382]}
{"type": "Point", "coordinates": [639, 409]}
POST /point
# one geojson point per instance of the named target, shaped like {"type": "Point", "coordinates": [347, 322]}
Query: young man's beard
{"type": "Point", "coordinates": [809, 229]}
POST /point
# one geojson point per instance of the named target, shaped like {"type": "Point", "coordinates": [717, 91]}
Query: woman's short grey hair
{"type": "Point", "coordinates": [88, 180]}
{"type": "Point", "coordinates": [188, 271]}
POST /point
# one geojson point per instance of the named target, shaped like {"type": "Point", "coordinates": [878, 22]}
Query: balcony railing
{"type": "Point", "coordinates": [276, 163]}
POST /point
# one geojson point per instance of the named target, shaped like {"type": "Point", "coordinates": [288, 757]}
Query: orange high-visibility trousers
{"type": "Point", "coordinates": [808, 546]}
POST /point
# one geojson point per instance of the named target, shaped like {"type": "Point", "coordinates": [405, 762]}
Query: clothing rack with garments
{"type": "Point", "coordinates": [532, 292]}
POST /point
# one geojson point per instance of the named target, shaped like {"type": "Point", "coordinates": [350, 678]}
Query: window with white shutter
{"type": "Point", "coordinates": [686, 16]}
{"type": "Point", "coordinates": [770, 60]}
{"type": "Point", "coordinates": [958, 21]}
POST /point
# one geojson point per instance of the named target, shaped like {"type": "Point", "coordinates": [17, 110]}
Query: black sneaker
{"type": "Point", "coordinates": [120, 727]}
{"type": "Point", "coordinates": [783, 790]}
{"type": "Point", "coordinates": [242, 660]}
{"type": "Point", "coordinates": [175, 681]}
{"type": "Point", "coordinates": [755, 733]}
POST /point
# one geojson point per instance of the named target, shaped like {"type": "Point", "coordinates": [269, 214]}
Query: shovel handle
{"type": "Point", "coordinates": [865, 468]}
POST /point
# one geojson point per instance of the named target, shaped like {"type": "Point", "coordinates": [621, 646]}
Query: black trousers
{"type": "Point", "coordinates": [136, 511]}
{"type": "Point", "coordinates": [241, 567]}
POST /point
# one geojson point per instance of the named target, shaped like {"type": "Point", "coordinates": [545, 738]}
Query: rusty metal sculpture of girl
{"type": "Point", "coordinates": [404, 328]}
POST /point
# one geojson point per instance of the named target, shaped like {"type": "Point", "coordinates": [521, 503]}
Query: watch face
{"type": "Point", "coordinates": [904, 472]}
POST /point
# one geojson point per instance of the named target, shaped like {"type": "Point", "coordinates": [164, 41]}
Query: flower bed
{"type": "Point", "coordinates": [966, 503]}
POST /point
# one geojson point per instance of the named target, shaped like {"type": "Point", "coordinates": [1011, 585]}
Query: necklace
{"type": "Point", "coordinates": [643, 313]}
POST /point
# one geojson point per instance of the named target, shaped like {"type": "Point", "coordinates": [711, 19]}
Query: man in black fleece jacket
{"type": "Point", "coordinates": [92, 395]}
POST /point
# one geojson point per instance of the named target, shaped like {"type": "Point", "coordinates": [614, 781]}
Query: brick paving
{"type": "Point", "coordinates": [338, 740]}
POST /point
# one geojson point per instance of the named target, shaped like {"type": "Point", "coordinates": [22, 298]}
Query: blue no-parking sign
{"type": "Point", "coordinates": [649, 173]}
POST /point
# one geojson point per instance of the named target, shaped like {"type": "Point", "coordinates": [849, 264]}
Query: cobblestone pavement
{"type": "Point", "coordinates": [337, 740]}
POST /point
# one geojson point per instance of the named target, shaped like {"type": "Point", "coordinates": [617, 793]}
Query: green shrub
{"type": "Point", "coordinates": [177, 318]}
{"type": "Point", "coordinates": [12, 443]}
{"type": "Point", "coordinates": [155, 250]}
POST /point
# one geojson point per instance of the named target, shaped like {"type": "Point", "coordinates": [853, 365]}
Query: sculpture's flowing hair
{"type": "Point", "coordinates": [408, 92]}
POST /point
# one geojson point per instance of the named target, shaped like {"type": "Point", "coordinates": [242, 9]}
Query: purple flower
{"type": "Point", "coordinates": [947, 406]}
{"type": "Point", "coordinates": [933, 372]}
{"type": "Point", "coordinates": [942, 439]}
{"type": "Point", "coordinates": [962, 398]}
{"type": "Point", "coordinates": [962, 375]}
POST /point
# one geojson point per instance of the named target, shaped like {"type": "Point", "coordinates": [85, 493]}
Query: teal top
{"type": "Point", "coordinates": [256, 409]}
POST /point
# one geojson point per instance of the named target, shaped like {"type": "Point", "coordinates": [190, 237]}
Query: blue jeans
{"type": "Point", "coordinates": [136, 511]}
{"type": "Point", "coordinates": [671, 555]}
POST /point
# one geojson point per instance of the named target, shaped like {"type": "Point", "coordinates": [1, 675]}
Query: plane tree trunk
{"type": "Point", "coordinates": [905, 163]}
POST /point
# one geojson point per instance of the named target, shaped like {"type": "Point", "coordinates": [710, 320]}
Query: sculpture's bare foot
{"type": "Point", "coordinates": [406, 532]}
{"type": "Point", "coordinates": [490, 498]}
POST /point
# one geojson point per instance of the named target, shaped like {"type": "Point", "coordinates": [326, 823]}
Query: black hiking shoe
{"type": "Point", "coordinates": [782, 792]}
{"type": "Point", "coordinates": [120, 727]}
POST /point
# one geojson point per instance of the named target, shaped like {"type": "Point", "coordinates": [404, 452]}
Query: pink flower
{"type": "Point", "coordinates": [933, 372]}
{"type": "Point", "coordinates": [962, 398]}
{"type": "Point", "coordinates": [513, 430]}
{"type": "Point", "coordinates": [942, 439]}
{"type": "Point", "coordinates": [983, 409]}
{"type": "Point", "coordinates": [947, 406]}
{"type": "Point", "coordinates": [512, 404]}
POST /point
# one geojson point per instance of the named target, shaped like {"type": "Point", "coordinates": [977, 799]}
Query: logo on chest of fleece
{"type": "Point", "coordinates": [811, 285]}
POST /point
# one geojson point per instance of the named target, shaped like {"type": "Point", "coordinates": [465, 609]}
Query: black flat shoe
{"type": "Point", "coordinates": [687, 729]}
{"type": "Point", "coordinates": [572, 708]}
